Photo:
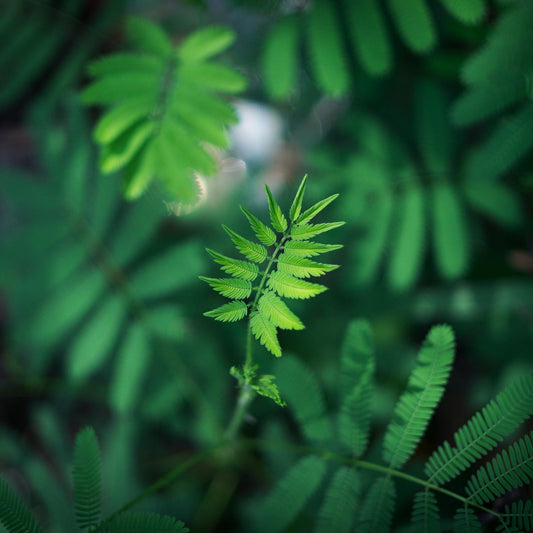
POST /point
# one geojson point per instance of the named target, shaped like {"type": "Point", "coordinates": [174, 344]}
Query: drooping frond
{"type": "Point", "coordinates": [465, 521]}
{"type": "Point", "coordinates": [510, 469]}
{"type": "Point", "coordinates": [300, 267]}
{"type": "Point", "coordinates": [264, 331]}
{"type": "Point", "coordinates": [238, 289]}
{"type": "Point", "coordinates": [498, 419]}
{"type": "Point", "coordinates": [290, 287]}
{"type": "Point", "coordinates": [143, 523]}
{"type": "Point", "coordinates": [305, 399]}
{"type": "Point", "coordinates": [356, 387]}
{"type": "Point", "coordinates": [277, 312]}
{"type": "Point", "coordinates": [424, 390]}
{"type": "Point", "coordinates": [288, 498]}
{"type": "Point", "coordinates": [378, 507]}
{"type": "Point", "coordinates": [286, 258]}
{"type": "Point", "coordinates": [425, 517]}
{"type": "Point", "coordinates": [87, 478]}
{"type": "Point", "coordinates": [340, 502]}
{"type": "Point", "coordinates": [253, 251]}
{"type": "Point", "coordinates": [231, 312]}
{"type": "Point", "coordinates": [164, 107]}
{"type": "Point", "coordinates": [238, 269]}
{"type": "Point", "coordinates": [14, 514]}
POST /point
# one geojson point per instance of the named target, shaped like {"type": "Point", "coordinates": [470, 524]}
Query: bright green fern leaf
{"type": "Point", "coordinates": [14, 515]}
{"type": "Point", "coordinates": [150, 130]}
{"type": "Point", "coordinates": [286, 258]}
{"type": "Point", "coordinates": [262, 231]}
{"type": "Point", "coordinates": [424, 390]}
{"type": "Point", "coordinates": [231, 312]}
{"type": "Point", "coordinates": [300, 267]}
{"type": "Point", "coordinates": [519, 515]}
{"type": "Point", "coordinates": [279, 222]}
{"type": "Point", "coordinates": [482, 433]}
{"type": "Point", "coordinates": [253, 251]}
{"type": "Point", "coordinates": [313, 211]}
{"type": "Point", "coordinates": [87, 478]}
{"type": "Point", "coordinates": [277, 312]}
{"type": "Point", "coordinates": [238, 289]}
{"type": "Point", "coordinates": [235, 267]}
{"type": "Point", "coordinates": [264, 331]}
{"type": "Point", "coordinates": [291, 287]}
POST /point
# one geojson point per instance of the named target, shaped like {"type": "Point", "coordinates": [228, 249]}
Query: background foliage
{"type": "Point", "coordinates": [418, 113]}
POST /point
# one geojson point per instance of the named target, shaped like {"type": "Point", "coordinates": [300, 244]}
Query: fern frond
{"type": "Point", "coordinates": [238, 289]}
{"type": "Point", "coordinates": [279, 222]}
{"type": "Point", "coordinates": [235, 267]}
{"type": "Point", "coordinates": [277, 312]}
{"type": "Point", "coordinates": [519, 515]}
{"type": "Point", "coordinates": [296, 206]}
{"type": "Point", "coordinates": [230, 312]}
{"type": "Point", "coordinates": [87, 478]}
{"type": "Point", "coordinates": [262, 231]}
{"type": "Point", "coordinates": [14, 515]}
{"type": "Point", "coordinates": [510, 469]}
{"type": "Point", "coordinates": [300, 267]}
{"type": "Point", "coordinates": [465, 521]}
{"type": "Point", "coordinates": [357, 371]}
{"type": "Point", "coordinates": [340, 502]}
{"type": "Point", "coordinates": [424, 390]}
{"type": "Point", "coordinates": [304, 398]}
{"type": "Point", "coordinates": [498, 419]}
{"type": "Point", "coordinates": [143, 523]}
{"type": "Point", "coordinates": [290, 287]}
{"type": "Point", "coordinates": [152, 132]}
{"type": "Point", "coordinates": [288, 498]}
{"type": "Point", "coordinates": [309, 248]}
{"type": "Point", "coordinates": [425, 517]}
{"type": "Point", "coordinates": [253, 251]}
{"type": "Point", "coordinates": [265, 332]}
{"type": "Point", "coordinates": [378, 507]}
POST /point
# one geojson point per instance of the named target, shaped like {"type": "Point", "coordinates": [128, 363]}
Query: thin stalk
{"type": "Point", "coordinates": [246, 393]}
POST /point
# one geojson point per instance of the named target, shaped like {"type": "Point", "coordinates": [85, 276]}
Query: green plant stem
{"type": "Point", "coordinates": [246, 394]}
{"type": "Point", "coordinates": [167, 479]}
{"type": "Point", "coordinates": [332, 456]}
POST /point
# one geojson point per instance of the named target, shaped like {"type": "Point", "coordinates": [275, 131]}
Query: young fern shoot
{"type": "Point", "coordinates": [285, 249]}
